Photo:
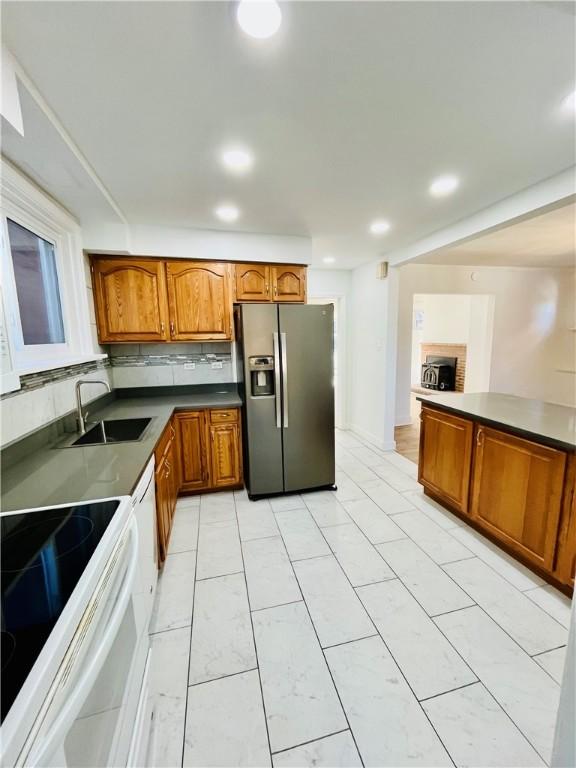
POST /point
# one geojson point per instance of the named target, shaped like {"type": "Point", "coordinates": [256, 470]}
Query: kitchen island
{"type": "Point", "coordinates": [507, 466]}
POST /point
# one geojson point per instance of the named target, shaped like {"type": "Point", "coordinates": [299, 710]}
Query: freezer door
{"type": "Point", "coordinates": [307, 340]}
{"type": "Point", "coordinates": [263, 434]}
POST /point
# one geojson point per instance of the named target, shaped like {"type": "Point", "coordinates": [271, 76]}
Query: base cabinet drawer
{"type": "Point", "coordinates": [446, 456]}
{"type": "Point", "coordinates": [224, 416]}
{"type": "Point", "coordinates": [517, 493]}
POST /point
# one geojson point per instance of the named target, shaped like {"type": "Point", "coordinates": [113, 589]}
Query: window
{"type": "Point", "coordinates": [37, 288]}
{"type": "Point", "coordinates": [44, 287]}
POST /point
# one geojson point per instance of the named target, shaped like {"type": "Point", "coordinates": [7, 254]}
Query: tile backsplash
{"type": "Point", "coordinates": [153, 365]}
{"type": "Point", "coordinates": [47, 396]}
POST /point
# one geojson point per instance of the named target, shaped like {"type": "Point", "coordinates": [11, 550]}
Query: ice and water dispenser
{"type": "Point", "coordinates": [261, 376]}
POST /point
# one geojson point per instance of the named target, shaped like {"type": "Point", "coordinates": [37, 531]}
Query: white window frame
{"type": "Point", "coordinates": [26, 205]}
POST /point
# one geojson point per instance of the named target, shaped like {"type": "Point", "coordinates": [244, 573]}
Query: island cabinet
{"type": "Point", "coordinates": [517, 491]}
{"type": "Point", "coordinates": [130, 300]}
{"type": "Point", "coordinates": [270, 282]}
{"type": "Point", "coordinates": [445, 456]}
{"type": "Point", "coordinates": [517, 488]}
{"type": "Point", "coordinates": [565, 566]}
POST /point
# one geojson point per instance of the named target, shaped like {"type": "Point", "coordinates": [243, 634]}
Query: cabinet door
{"type": "Point", "coordinates": [445, 456]}
{"type": "Point", "coordinates": [253, 282]}
{"type": "Point", "coordinates": [225, 455]}
{"type": "Point", "coordinates": [162, 517]}
{"type": "Point", "coordinates": [517, 492]}
{"type": "Point", "coordinates": [172, 481]}
{"type": "Point", "coordinates": [289, 283]}
{"type": "Point", "coordinates": [191, 439]}
{"type": "Point", "coordinates": [130, 300]}
{"type": "Point", "coordinates": [200, 301]}
{"type": "Point", "coordinates": [566, 552]}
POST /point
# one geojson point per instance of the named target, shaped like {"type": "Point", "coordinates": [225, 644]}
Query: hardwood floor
{"type": "Point", "coordinates": [408, 438]}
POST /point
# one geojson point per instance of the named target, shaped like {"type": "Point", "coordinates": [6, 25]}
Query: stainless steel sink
{"type": "Point", "coordinates": [113, 431]}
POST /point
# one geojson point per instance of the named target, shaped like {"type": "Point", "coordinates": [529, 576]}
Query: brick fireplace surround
{"type": "Point", "coordinates": [448, 350]}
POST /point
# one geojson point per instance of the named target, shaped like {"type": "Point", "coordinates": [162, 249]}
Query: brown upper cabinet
{"type": "Point", "coordinates": [253, 282]}
{"type": "Point", "coordinates": [446, 456]}
{"type": "Point", "coordinates": [289, 283]}
{"type": "Point", "coordinates": [139, 300]}
{"type": "Point", "coordinates": [517, 493]}
{"type": "Point", "coordinates": [130, 300]}
{"type": "Point", "coordinates": [148, 299]}
{"type": "Point", "coordinates": [270, 282]}
{"type": "Point", "coordinates": [200, 300]}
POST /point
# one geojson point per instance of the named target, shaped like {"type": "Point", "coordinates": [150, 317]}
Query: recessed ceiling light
{"type": "Point", "coordinates": [379, 227]}
{"type": "Point", "coordinates": [569, 103]}
{"type": "Point", "coordinates": [259, 18]}
{"type": "Point", "coordinates": [444, 185]}
{"type": "Point", "coordinates": [328, 259]}
{"type": "Point", "coordinates": [227, 213]}
{"type": "Point", "coordinates": [237, 159]}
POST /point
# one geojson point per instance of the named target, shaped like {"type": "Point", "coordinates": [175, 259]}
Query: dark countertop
{"type": "Point", "coordinates": [55, 475]}
{"type": "Point", "coordinates": [554, 425]}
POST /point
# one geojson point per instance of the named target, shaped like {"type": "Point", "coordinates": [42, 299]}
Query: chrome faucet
{"type": "Point", "coordinates": [80, 417]}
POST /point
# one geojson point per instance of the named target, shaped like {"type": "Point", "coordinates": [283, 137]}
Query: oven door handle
{"type": "Point", "coordinates": [48, 746]}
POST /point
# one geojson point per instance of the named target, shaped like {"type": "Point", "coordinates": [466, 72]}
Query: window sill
{"type": "Point", "coordinates": [50, 365]}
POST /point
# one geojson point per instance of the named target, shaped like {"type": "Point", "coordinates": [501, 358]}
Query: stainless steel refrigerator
{"type": "Point", "coordinates": [286, 373]}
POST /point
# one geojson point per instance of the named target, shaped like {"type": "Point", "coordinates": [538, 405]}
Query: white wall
{"type": "Point", "coordinates": [188, 243]}
{"type": "Point", "coordinates": [533, 312]}
{"type": "Point", "coordinates": [455, 319]}
{"type": "Point", "coordinates": [372, 344]}
{"type": "Point", "coordinates": [334, 285]}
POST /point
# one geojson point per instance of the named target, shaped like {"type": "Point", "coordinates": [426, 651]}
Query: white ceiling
{"type": "Point", "coordinates": [351, 110]}
{"type": "Point", "coordinates": [545, 240]}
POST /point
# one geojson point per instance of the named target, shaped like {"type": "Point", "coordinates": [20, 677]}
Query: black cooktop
{"type": "Point", "coordinates": [44, 554]}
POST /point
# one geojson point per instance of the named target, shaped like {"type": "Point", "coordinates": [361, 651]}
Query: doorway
{"type": "Point", "coordinates": [447, 327]}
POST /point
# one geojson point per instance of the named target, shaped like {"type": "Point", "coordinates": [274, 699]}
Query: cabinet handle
{"type": "Point", "coordinates": [275, 290]}
{"type": "Point", "coordinates": [171, 328]}
{"type": "Point", "coordinates": [479, 437]}
{"type": "Point", "coordinates": [162, 326]}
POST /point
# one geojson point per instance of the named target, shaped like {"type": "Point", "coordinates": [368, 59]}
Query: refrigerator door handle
{"type": "Point", "coordinates": [277, 381]}
{"type": "Point", "coordinates": [285, 378]}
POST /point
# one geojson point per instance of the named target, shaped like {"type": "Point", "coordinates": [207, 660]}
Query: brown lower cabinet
{"type": "Point", "coordinates": [445, 453]}
{"type": "Point", "coordinates": [516, 494]}
{"type": "Point", "coordinates": [198, 451]}
{"type": "Point", "coordinates": [517, 491]}
{"type": "Point", "coordinates": [166, 488]}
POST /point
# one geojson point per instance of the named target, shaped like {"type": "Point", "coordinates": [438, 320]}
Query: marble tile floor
{"type": "Point", "coordinates": [365, 626]}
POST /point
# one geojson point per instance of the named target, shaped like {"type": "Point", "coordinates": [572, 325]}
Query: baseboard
{"type": "Point", "coordinates": [404, 421]}
{"type": "Point", "coordinates": [383, 445]}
